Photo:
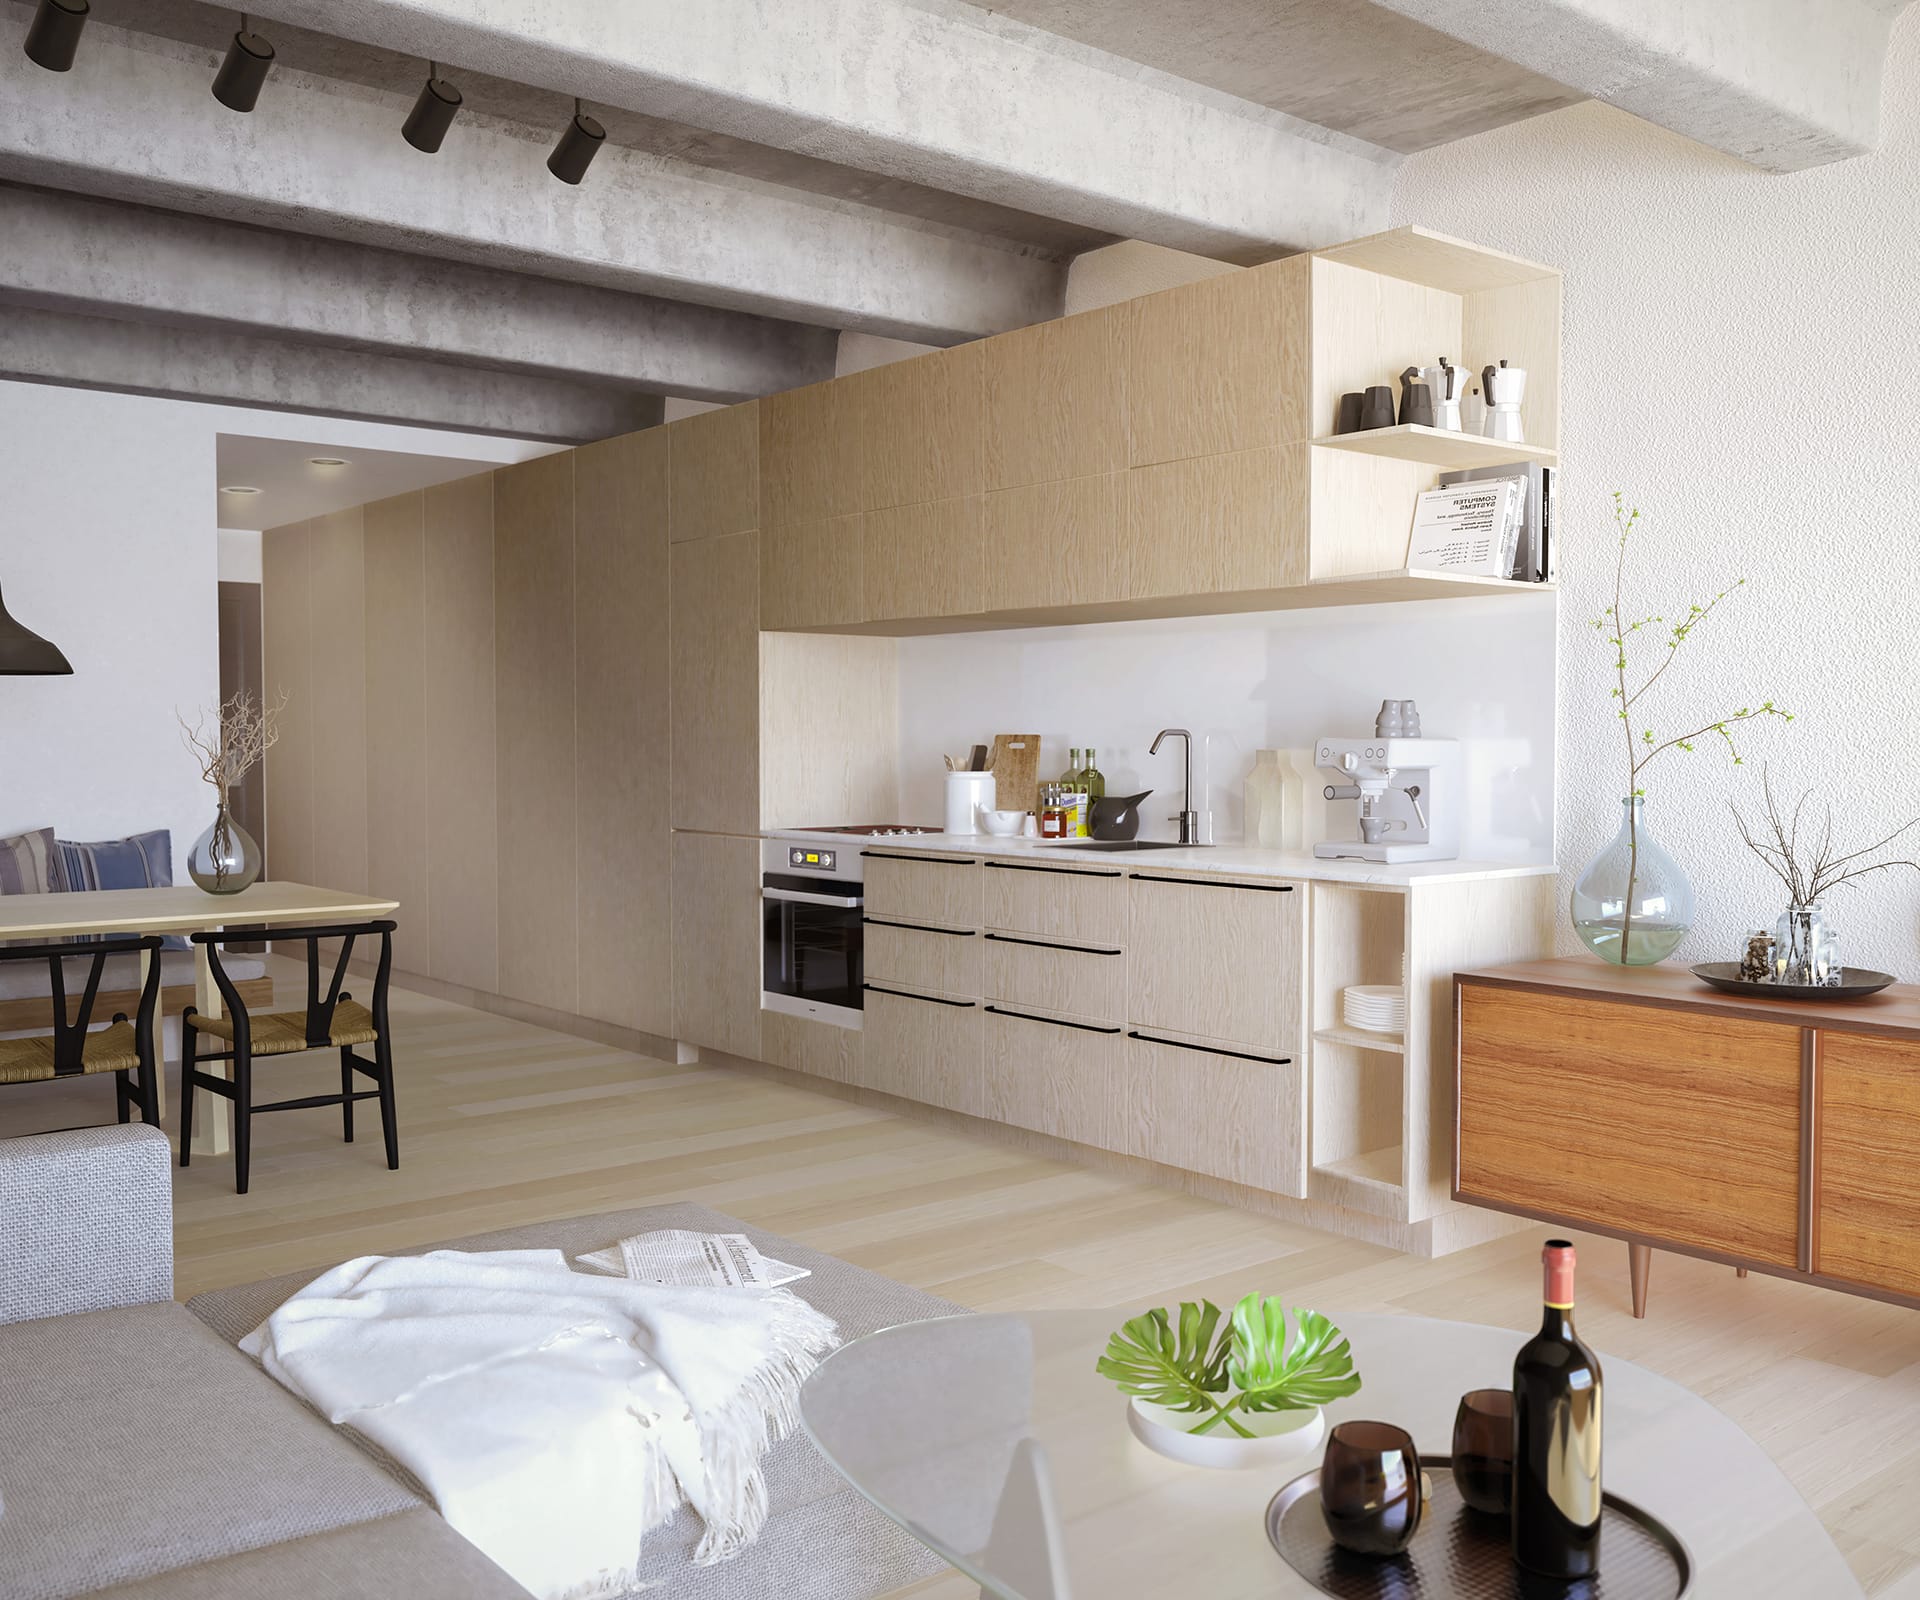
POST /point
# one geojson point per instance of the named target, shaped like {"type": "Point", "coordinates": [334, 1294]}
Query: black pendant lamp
{"type": "Point", "coordinates": [23, 653]}
{"type": "Point", "coordinates": [243, 74]}
{"type": "Point", "coordinates": [578, 145]}
{"type": "Point", "coordinates": [54, 34]}
{"type": "Point", "coordinates": [433, 113]}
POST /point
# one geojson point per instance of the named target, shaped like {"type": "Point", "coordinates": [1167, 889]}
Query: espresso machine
{"type": "Point", "coordinates": [1405, 788]}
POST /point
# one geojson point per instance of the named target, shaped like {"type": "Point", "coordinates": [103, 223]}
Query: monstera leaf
{"type": "Point", "coordinates": [1176, 1363]}
{"type": "Point", "coordinates": [1269, 1376]}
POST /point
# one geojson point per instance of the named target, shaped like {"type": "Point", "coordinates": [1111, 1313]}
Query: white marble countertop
{"type": "Point", "coordinates": [1238, 861]}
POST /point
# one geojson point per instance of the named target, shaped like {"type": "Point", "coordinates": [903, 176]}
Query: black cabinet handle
{"type": "Point", "coordinates": [1052, 1022]}
{"type": "Point", "coordinates": [918, 927]}
{"type": "Point", "coordinates": [1211, 883]}
{"type": "Point", "coordinates": [1210, 1050]}
{"type": "Point", "coordinates": [908, 994]}
{"type": "Point", "coordinates": [1049, 944]}
{"type": "Point", "coordinates": [1067, 872]}
{"type": "Point", "coordinates": [929, 861]}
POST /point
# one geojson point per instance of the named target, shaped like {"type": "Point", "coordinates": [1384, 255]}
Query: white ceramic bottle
{"type": "Point", "coordinates": [1266, 801]}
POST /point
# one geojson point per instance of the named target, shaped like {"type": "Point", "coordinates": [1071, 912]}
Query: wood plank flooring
{"type": "Point", "coordinates": [502, 1122]}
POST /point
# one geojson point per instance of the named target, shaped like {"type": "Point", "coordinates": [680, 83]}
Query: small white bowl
{"type": "Point", "coordinates": [1280, 1437]}
{"type": "Point", "coordinates": [1002, 824]}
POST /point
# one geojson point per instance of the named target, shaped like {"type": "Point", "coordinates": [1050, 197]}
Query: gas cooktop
{"type": "Point", "coordinates": [869, 830]}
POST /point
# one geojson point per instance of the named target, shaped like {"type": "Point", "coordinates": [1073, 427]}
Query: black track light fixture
{"type": "Point", "coordinates": [433, 113]}
{"type": "Point", "coordinates": [243, 74]}
{"type": "Point", "coordinates": [577, 147]}
{"type": "Point", "coordinates": [54, 34]}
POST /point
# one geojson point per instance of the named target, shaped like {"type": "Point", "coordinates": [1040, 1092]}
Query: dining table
{"type": "Point", "coordinates": [188, 909]}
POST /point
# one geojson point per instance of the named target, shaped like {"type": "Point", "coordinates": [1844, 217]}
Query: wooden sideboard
{"type": "Point", "coordinates": [1639, 1103]}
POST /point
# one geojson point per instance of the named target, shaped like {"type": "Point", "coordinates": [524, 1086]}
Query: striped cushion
{"type": "Point", "coordinates": [140, 861]}
{"type": "Point", "coordinates": [30, 864]}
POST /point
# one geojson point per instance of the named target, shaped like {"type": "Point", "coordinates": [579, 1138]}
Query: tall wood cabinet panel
{"type": "Point", "coordinates": [715, 471]}
{"type": "Point", "coordinates": [1219, 961]}
{"type": "Point", "coordinates": [1224, 364]}
{"type": "Point", "coordinates": [716, 942]}
{"type": "Point", "coordinates": [811, 574]}
{"type": "Point", "coordinates": [286, 651]}
{"type": "Point", "coordinates": [1062, 543]}
{"type": "Point", "coordinates": [812, 453]}
{"type": "Point", "coordinates": [1219, 523]}
{"type": "Point", "coordinates": [715, 679]}
{"type": "Point", "coordinates": [921, 425]}
{"type": "Point", "coordinates": [829, 728]}
{"type": "Point", "coordinates": [1623, 1116]}
{"type": "Point", "coordinates": [539, 790]}
{"type": "Point", "coordinates": [398, 838]}
{"type": "Point", "coordinates": [1054, 401]}
{"type": "Point", "coordinates": [925, 560]}
{"type": "Point", "coordinates": [1867, 1173]}
{"type": "Point", "coordinates": [463, 853]}
{"type": "Point", "coordinates": [623, 763]}
{"type": "Point", "coordinates": [338, 691]}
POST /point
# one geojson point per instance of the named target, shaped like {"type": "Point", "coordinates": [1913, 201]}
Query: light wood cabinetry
{"type": "Point", "coordinates": [1228, 1114]}
{"type": "Point", "coordinates": [918, 956]}
{"type": "Point", "coordinates": [1062, 543]}
{"type": "Point", "coordinates": [286, 649]}
{"type": "Point", "coordinates": [397, 847]}
{"type": "Point", "coordinates": [811, 573]}
{"type": "Point", "coordinates": [716, 942]}
{"type": "Point", "coordinates": [715, 473]}
{"type": "Point", "coordinates": [812, 454]}
{"type": "Point", "coordinates": [818, 1049]}
{"type": "Point", "coordinates": [336, 556]}
{"type": "Point", "coordinates": [1866, 1182]}
{"type": "Point", "coordinates": [924, 560]}
{"type": "Point", "coordinates": [1068, 905]}
{"type": "Point", "coordinates": [1079, 980]}
{"type": "Point", "coordinates": [940, 890]}
{"type": "Point", "coordinates": [1216, 524]}
{"type": "Point", "coordinates": [923, 1047]}
{"type": "Point", "coordinates": [716, 684]}
{"type": "Point", "coordinates": [921, 423]}
{"type": "Point", "coordinates": [1056, 1076]}
{"type": "Point", "coordinates": [1219, 961]}
{"type": "Point", "coordinates": [1055, 401]}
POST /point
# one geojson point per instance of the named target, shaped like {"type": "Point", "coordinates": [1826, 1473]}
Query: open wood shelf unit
{"type": "Point", "coordinates": [1436, 447]}
{"type": "Point", "coordinates": [1360, 1039]}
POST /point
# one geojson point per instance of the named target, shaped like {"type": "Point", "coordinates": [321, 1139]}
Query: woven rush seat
{"type": "Point", "coordinates": [279, 1033]}
{"type": "Point", "coordinates": [111, 1049]}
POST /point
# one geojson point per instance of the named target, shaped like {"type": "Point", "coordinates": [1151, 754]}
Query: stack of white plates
{"type": "Point", "coordinates": [1376, 1007]}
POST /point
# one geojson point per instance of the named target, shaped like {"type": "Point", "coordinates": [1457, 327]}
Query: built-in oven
{"type": "Point", "coordinates": [811, 900]}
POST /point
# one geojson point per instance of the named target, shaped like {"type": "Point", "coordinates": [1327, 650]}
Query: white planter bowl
{"type": "Point", "coordinates": [1281, 1437]}
{"type": "Point", "coordinates": [1002, 824]}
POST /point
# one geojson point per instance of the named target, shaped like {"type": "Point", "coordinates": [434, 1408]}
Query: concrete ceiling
{"type": "Point", "coordinates": [292, 489]}
{"type": "Point", "coordinates": [777, 171]}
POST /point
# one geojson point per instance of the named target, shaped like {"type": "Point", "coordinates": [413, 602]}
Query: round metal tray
{"type": "Point", "coordinates": [1462, 1554]}
{"type": "Point", "coordinates": [1856, 984]}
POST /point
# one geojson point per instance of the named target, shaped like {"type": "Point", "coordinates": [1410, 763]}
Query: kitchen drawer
{"type": "Point", "coordinates": [943, 890]}
{"type": "Point", "coordinates": [1074, 905]}
{"type": "Point", "coordinates": [1080, 980]}
{"type": "Point", "coordinates": [923, 1047]}
{"type": "Point", "coordinates": [1056, 1076]}
{"type": "Point", "coordinates": [1216, 959]}
{"type": "Point", "coordinates": [1229, 1114]}
{"type": "Point", "coordinates": [946, 960]}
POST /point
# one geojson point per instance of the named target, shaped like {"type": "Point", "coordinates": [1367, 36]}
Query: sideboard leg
{"type": "Point", "coordinates": [1639, 1265]}
{"type": "Point", "coordinates": [1739, 1272]}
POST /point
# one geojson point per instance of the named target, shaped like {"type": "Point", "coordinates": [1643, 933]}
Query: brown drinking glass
{"type": "Point", "coordinates": [1483, 1450]}
{"type": "Point", "coordinates": [1370, 1489]}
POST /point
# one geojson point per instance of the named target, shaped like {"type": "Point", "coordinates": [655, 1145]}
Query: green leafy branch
{"type": "Point", "coordinates": [1188, 1361]}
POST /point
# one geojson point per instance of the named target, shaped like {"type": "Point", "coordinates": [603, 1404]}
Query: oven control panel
{"type": "Point", "coordinates": [811, 858]}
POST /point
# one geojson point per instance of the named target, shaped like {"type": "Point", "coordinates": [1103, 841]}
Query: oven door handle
{"type": "Point", "coordinates": [801, 897]}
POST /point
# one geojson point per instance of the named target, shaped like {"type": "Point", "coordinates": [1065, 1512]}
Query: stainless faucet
{"type": "Point", "coordinates": [1189, 819]}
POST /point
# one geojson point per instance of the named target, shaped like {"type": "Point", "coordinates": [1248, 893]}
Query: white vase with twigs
{"type": "Point", "coordinates": [1805, 947]}
{"type": "Point", "coordinates": [228, 742]}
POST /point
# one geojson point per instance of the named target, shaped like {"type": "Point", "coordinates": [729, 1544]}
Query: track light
{"type": "Point", "coordinates": [577, 147]}
{"type": "Point", "coordinates": [243, 74]}
{"type": "Point", "coordinates": [54, 34]}
{"type": "Point", "coordinates": [432, 113]}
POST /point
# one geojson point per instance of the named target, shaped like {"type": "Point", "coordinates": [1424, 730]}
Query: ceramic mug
{"type": "Point", "coordinates": [1376, 410]}
{"type": "Point", "coordinates": [1371, 1493]}
{"type": "Point", "coordinates": [1347, 416]}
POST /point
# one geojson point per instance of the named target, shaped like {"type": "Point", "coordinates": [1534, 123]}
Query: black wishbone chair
{"type": "Point", "coordinates": [123, 1048]}
{"type": "Point", "coordinates": [334, 1022]}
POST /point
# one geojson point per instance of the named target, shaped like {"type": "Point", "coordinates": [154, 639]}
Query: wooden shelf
{"type": "Point", "coordinates": [1419, 255]}
{"type": "Point", "coordinates": [1362, 1039]}
{"type": "Point", "coordinates": [1437, 447]}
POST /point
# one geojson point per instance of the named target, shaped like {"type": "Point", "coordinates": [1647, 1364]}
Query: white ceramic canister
{"type": "Point", "coordinates": [968, 794]}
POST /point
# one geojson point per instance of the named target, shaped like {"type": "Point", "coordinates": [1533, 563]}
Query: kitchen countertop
{"type": "Point", "coordinates": [1238, 861]}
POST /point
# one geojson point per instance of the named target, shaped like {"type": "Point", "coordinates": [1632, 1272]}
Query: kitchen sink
{"type": "Point", "coordinates": [1113, 845]}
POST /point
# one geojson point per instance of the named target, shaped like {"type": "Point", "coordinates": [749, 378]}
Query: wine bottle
{"type": "Point", "coordinates": [1556, 1437]}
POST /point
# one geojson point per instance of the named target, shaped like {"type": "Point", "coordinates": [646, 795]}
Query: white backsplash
{"type": "Point", "coordinates": [1482, 671]}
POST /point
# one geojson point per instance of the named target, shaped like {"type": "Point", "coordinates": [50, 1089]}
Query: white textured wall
{"type": "Point", "coordinates": [1740, 361]}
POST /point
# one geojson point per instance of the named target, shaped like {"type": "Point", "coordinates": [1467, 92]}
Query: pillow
{"type": "Point", "coordinates": [141, 861]}
{"type": "Point", "coordinates": [30, 864]}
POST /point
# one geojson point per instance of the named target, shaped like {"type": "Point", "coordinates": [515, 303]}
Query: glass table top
{"type": "Point", "coordinates": [993, 1440]}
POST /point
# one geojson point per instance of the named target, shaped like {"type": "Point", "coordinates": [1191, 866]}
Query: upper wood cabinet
{"type": "Point", "coordinates": [812, 573]}
{"type": "Point", "coordinates": [1054, 401]}
{"type": "Point", "coordinates": [921, 423]}
{"type": "Point", "coordinates": [925, 560]}
{"type": "Point", "coordinates": [812, 453]}
{"type": "Point", "coordinates": [715, 681]}
{"type": "Point", "coordinates": [715, 473]}
{"type": "Point", "coordinates": [1217, 524]}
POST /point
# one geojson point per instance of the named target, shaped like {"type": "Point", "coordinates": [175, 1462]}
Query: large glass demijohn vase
{"type": "Point", "coordinates": [224, 859]}
{"type": "Point", "coordinates": [1633, 904]}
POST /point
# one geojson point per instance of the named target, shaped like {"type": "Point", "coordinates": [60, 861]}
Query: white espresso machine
{"type": "Point", "coordinates": [1405, 788]}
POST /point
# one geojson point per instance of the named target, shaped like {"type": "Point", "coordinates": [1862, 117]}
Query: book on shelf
{"type": "Point", "coordinates": [1467, 528]}
{"type": "Point", "coordinates": [1533, 550]}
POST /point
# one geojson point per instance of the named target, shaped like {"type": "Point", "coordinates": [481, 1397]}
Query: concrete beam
{"type": "Point", "coordinates": [936, 92]}
{"type": "Point", "coordinates": [1783, 84]}
{"type": "Point", "coordinates": [97, 258]}
{"type": "Point", "coordinates": [272, 375]}
{"type": "Point", "coordinates": [134, 121]}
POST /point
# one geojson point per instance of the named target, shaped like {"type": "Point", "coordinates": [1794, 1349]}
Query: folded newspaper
{"type": "Point", "coordinates": [692, 1260]}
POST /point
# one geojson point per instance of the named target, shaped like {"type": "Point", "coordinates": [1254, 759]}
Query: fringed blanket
{"type": "Point", "coordinates": [555, 1418]}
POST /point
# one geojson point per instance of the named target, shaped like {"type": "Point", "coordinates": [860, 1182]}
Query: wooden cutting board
{"type": "Point", "coordinates": [1015, 765]}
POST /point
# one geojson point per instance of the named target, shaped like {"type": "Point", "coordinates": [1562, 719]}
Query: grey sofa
{"type": "Point", "coordinates": [142, 1457]}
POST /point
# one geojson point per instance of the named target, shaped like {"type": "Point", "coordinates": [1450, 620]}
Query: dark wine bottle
{"type": "Point", "coordinates": [1556, 1437]}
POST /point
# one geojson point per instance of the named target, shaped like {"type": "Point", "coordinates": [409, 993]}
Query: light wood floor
{"type": "Point", "coordinates": [504, 1123]}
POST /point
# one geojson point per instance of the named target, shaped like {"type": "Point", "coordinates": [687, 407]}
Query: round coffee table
{"type": "Point", "coordinates": [992, 1440]}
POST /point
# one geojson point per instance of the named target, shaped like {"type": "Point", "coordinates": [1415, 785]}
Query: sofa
{"type": "Point", "coordinates": [142, 1457]}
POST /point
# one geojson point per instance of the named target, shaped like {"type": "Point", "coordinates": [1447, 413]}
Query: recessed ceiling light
{"type": "Point", "coordinates": [326, 461]}
{"type": "Point", "coordinates": [238, 488]}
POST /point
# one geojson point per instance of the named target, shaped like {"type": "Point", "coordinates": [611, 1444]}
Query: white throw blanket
{"type": "Point", "coordinates": [555, 1418]}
